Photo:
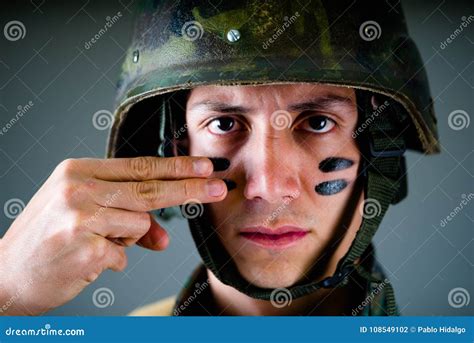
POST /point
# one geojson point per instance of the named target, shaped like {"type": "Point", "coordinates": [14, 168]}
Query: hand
{"type": "Point", "coordinates": [83, 217]}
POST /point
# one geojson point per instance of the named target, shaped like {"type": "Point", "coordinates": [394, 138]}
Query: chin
{"type": "Point", "coordinates": [271, 275]}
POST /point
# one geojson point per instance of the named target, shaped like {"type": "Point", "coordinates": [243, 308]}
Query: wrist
{"type": "Point", "coordinates": [7, 297]}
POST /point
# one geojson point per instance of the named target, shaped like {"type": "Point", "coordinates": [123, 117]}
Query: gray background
{"type": "Point", "coordinates": [68, 84]}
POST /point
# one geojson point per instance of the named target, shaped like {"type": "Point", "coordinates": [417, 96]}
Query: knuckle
{"type": "Point", "coordinates": [68, 192]}
{"type": "Point", "coordinates": [87, 256]}
{"type": "Point", "coordinates": [189, 189]}
{"type": "Point", "coordinates": [146, 192]}
{"type": "Point", "coordinates": [144, 221]}
{"type": "Point", "coordinates": [142, 167]}
{"type": "Point", "coordinates": [92, 276]}
{"type": "Point", "coordinates": [91, 270]}
{"type": "Point", "coordinates": [96, 250]}
{"type": "Point", "coordinates": [79, 222]}
{"type": "Point", "coordinates": [101, 247]}
{"type": "Point", "coordinates": [90, 184]}
{"type": "Point", "coordinates": [67, 167]}
{"type": "Point", "coordinates": [178, 166]}
{"type": "Point", "coordinates": [123, 260]}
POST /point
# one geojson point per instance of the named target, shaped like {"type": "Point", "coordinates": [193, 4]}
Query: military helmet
{"type": "Point", "coordinates": [178, 45]}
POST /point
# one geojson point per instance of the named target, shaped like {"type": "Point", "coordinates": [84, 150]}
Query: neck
{"type": "Point", "coordinates": [323, 302]}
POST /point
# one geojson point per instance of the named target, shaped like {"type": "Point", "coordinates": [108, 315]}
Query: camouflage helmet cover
{"type": "Point", "coordinates": [361, 44]}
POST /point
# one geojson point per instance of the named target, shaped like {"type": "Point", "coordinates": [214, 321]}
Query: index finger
{"type": "Point", "coordinates": [151, 168]}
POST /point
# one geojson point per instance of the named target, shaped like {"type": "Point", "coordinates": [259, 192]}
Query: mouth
{"type": "Point", "coordinates": [281, 238]}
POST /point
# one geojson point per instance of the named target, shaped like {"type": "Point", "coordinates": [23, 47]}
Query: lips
{"type": "Point", "coordinates": [282, 237]}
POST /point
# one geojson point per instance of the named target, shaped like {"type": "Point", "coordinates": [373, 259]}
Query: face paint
{"type": "Point", "coordinates": [230, 184]}
{"type": "Point", "coordinates": [331, 164]}
{"type": "Point", "coordinates": [330, 187]}
{"type": "Point", "coordinates": [220, 163]}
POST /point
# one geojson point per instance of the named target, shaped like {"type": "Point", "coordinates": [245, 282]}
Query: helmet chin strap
{"type": "Point", "coordinates": [382, 148]}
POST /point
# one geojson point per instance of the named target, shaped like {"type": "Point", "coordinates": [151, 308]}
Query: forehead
{"type": "Point", "coordinates": [282, 92]}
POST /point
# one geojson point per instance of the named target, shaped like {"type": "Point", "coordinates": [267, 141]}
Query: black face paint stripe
{"type": "Point", "coordinates": [331, 164]}
{"type": "Point", "coordinates": [230, 184]}
{"type": "Point", "coordinates": [220, 163]}
{"type": "Point", "coordinates": [330, 187]}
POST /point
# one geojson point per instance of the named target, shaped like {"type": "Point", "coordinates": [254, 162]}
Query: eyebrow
{"type": "Point", "coordinates": [319, 103]}
{"type": "Point", "coordinates": [221, 107]}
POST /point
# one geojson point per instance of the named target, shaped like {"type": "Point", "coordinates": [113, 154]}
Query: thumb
{"type": "Point", "coordinates": [156, 238]}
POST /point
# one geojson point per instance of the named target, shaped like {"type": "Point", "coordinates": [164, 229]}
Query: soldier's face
{"type": "Point", "coordinates": [294, 163]}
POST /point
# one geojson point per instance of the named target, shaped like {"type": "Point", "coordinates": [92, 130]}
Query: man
{"type": "Point", "coordinates": [272, 222]}
{"type": "Point", "coordinates": [295, 119]}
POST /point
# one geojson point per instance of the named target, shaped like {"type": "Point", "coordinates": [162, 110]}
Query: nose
{"type": "Point", "coordinates": [271, 169]}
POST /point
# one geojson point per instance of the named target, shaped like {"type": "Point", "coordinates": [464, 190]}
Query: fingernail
{"type": "Point", "coordinates": [220, 163]}
{"type": "Point", "coordinates": [201, 166]}
{"type": "Point", "coordinates": [214, 188]}
{"type": "Point", "coordinates": [230, 184]}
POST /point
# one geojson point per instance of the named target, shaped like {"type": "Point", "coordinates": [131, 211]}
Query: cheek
{"type": "Point", "coordinates": [195, 143]}
{"type": "Point", "coordinates": [203, 143]}
{"type": "Point", "coordinates": [331, 187]}
{"type": "Point", "coordinates": [330, 165]}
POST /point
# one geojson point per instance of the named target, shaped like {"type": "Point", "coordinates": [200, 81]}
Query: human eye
{"type": "Point", "coordinates": [223, 125]}
{"type": "Point", "coordinates": [318, 124]}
